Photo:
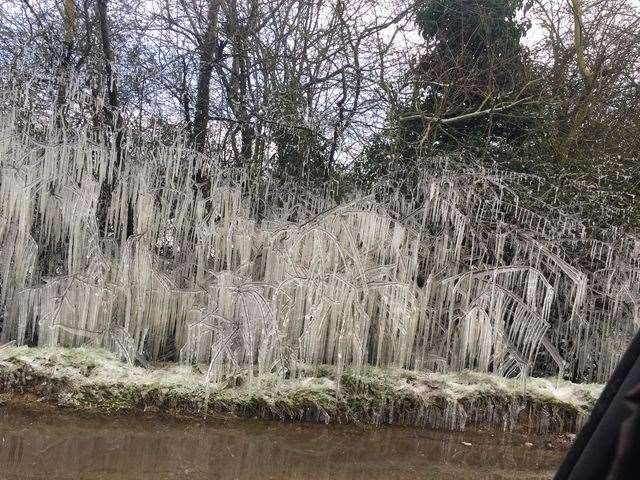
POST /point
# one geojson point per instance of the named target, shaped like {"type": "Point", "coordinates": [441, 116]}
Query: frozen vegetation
{"type": "Point", "coordinates": [95, 379]}
{"type": "Point", "coordinates": [301, 300]}
{"type": "Point", "coordinates": [457, 273]}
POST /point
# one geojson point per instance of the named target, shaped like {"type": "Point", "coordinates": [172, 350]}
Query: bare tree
{"type": "Point", "coordinates": [594, 53]}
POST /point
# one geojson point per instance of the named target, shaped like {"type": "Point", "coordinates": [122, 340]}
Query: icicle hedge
{"type": "Point", "coordinates": [459, 272]}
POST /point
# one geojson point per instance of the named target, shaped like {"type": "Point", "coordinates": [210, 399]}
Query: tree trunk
{"type": "Point", "coordinates": [112, 110]}
{"type": "Point", "coordinates": [583, 109]}
{"type": "Point", "coordinates": [207, 49]}
{"type": "Point", "coordinates": [114, 123]}
{"type": "Point", "coordinates": [69, 20]}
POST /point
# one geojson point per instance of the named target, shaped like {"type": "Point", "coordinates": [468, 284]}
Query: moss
{"type": "Point", "coordinates": [94, 379]}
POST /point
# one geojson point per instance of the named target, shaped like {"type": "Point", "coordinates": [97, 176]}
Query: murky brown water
{"type": "Point", "coordinates": [53, 446]}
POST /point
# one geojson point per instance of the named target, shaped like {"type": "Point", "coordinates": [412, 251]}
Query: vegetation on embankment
{"type": "Point", "coordinates": [94, 379]}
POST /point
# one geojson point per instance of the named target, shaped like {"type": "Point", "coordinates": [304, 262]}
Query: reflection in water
{"type": "Point", "coordinates": [54, 446]}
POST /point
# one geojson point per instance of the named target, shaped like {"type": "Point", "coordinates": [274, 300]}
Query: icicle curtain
{"type": "Point", "coordinates": [458, 273]}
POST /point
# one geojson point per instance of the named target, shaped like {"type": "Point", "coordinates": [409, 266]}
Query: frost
{"type": "Point", "coordinates": [95, 378]}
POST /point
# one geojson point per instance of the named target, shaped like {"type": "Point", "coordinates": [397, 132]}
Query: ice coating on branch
{"type": "Point", "coordinates": [458, 273]}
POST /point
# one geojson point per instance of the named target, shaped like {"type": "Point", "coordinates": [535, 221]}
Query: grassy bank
{"type": "Point", "coordinates": [93, 379]}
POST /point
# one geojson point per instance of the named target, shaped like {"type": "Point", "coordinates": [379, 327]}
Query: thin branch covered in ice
{"type": "Point", "coordinates": [459, 271]}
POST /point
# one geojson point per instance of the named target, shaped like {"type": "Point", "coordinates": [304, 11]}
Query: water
{"type": "Point", "coordinates": [54, 446]}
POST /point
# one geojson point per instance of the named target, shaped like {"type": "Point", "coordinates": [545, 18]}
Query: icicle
{"type": "Point", "coordinates": [457, 274]}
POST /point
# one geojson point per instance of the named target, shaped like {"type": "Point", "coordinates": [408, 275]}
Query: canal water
{"type": "Point", "coordinates": [50, 445]}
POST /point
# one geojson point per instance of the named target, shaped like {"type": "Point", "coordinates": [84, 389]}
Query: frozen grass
{"type": "Point", "coordinates": [95, 379]}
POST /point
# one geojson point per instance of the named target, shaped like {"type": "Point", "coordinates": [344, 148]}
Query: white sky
{"type": "Point", "coordinates": [535, 33]}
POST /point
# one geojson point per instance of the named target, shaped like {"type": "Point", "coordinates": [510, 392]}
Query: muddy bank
{"type": "Point", "coordinates": [94, 380]}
